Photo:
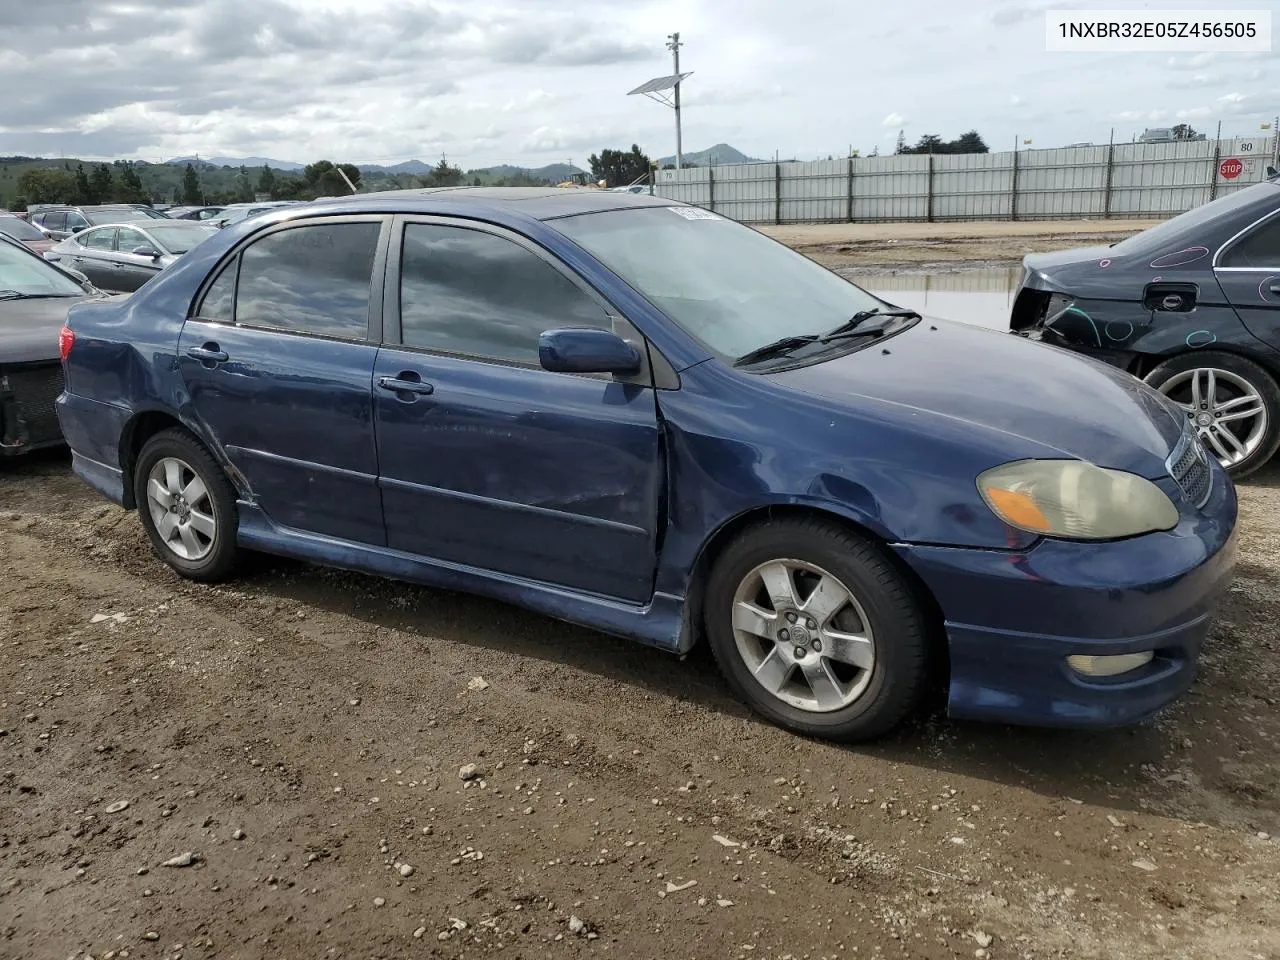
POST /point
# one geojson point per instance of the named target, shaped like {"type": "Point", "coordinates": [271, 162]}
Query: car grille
{"type": "Point", "coordinates": [30, 415]}
{"type": "Point", "coordinates": [1189, 467]}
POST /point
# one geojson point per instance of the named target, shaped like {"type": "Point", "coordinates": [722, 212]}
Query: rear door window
{"type": "Point", "coordinates": [1258, 249]}
{"type": "Point", "coordinates": [100, 239]}
{"type": "Point", "coordinates": [310, 279]}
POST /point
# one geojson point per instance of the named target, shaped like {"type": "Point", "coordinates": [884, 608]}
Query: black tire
{"type": "Point", "coordinates": [1254, 375]}
{"type": "Point", "coordinates": [899, 623]}
{"type": "Point", "coordinates": [220, 561]}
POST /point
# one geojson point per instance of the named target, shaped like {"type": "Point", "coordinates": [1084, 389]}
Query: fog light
{"type": "Point", "coordinates": [1092, 666]}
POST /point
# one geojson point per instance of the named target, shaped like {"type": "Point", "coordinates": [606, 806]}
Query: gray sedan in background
{"type": "Point", "coordinates": [122, 257]}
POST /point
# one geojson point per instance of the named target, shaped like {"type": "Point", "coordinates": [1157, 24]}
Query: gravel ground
{"type": "Point", "coordinates": [308, 763]}
{"type": "Point", "coordinates": [946, 246]}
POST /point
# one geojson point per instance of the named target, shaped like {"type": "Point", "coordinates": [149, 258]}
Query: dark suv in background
{"type": "Point", "coordinates": [60, 222]}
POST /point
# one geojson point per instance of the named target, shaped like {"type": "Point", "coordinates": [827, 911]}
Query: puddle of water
{"type": "Point", "coordinates": [982, 297]}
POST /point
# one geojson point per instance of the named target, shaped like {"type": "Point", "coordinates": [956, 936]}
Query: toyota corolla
{"type": "Point", "coordinates": [639, 416]}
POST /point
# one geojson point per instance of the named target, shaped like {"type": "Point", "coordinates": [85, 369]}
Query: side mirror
{"type": "Point", "coordinates": [586, 351]}
{"type": "Point", "coordinates": [1272, 172]}
{"type": "Point", "coordinates": [146, 251]}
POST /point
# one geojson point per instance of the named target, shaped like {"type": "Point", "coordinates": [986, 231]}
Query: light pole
{"type": "Point", "coordinates": [673, 44]}
{"type": "Point", "coordinates": [655, 90]}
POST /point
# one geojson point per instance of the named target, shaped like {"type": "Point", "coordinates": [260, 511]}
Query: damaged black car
{"type": "Point", "coordinates": [1191, 306]}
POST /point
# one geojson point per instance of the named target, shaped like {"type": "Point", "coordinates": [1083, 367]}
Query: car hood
{"type": "Point", "coordinates": [29, 328]}
{"type": "Point", "coordinates": [1027, 399]}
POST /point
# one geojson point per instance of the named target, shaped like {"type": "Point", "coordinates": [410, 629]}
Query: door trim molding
{"type": "Point", "coordinates": [511, 506]}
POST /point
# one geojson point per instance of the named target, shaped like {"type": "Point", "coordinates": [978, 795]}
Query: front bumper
{"type": "Point", "coordinates": [1012, 619]}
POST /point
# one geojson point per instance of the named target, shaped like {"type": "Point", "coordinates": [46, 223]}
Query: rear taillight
{"type": "Point", "coordinates": [66, 340]}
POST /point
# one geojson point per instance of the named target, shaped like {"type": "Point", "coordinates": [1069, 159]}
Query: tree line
{"type": "Point", "coordinates": [970, 142]}
{"type": "Point", "coordinates": [122, 181]}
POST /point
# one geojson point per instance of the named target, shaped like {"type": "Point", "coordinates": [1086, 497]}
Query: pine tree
{"type": "Point", "coordinates": [103, 187]}
{"type": "Point", "coordinates": [191, 187]}
{"type": "Point", "coordinates": [84, 192]}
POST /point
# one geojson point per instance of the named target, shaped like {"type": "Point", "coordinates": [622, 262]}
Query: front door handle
{"type": "Point", "coordinates": [407, 382]}
{"type": "Point", "coordinates": [1274, 288]}
{"type": "Point", "coordinates": [209, 353]}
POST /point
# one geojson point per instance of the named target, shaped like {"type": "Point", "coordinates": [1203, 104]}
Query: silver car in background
{"type": "Point", "coordinates": [122, 257]}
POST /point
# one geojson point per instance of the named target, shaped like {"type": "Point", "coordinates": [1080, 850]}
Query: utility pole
{"type": "Point", "coordinates": [673, 44]}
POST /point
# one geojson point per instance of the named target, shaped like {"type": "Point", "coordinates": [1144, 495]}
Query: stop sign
{"type": "Point", "coordinates": [1230, 168]}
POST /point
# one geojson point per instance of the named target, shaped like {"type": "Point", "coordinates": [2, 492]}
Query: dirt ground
{"type": "Point", "coordinates": [892, 246]}
{"type": "Point", "coordinates": [297, 738]}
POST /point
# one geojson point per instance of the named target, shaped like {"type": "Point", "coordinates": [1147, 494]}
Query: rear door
{"type": "Point", "coordinates": [278, 362]}
{"type": "Point", "coordinates": [95, 256]}
{"type": "Point", "coordinates": [1248, 270]}
{"type": "Point", "coordinates": [133, 270]}
{"type": "Point", "coordinates": [485, 458]}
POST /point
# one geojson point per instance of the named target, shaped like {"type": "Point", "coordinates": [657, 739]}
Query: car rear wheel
{"type": "Point", "coordinates": [816, 629]}
{"type": "Point", "coordinates": [1232, 402]}
{"type": "Point", "coordinates": [187, 506]}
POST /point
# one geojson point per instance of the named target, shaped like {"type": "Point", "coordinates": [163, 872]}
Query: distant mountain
{"type": "Point", "coordinates": [216, 162]}
{"type": "Point", "coordinates": [552, 172]}
{"type": "Point", "coordinates": [416, 167]}
{"type": "Point", "coordinates": [720, 153]}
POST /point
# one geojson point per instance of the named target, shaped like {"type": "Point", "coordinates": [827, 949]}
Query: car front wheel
{"type": "Point", "coordinates": [817, 630]}
{"type": "Point", "coordinates": [1232, 402]}
{"type": "Point", "coordinates": [187, 506]}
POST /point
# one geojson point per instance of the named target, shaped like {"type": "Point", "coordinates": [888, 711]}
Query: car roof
{"type": "Point", "coordinates": [541, 203]}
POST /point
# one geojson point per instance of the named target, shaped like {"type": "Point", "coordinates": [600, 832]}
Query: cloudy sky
{"type": "Point", "coordinates": [536, 81]}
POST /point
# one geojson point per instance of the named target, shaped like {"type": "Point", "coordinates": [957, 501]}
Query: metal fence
{"type": "Point", "coordinates": [1143, 180]}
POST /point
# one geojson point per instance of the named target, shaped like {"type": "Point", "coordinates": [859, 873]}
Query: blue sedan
{"type": "Point", "coordinates": [639, 416]}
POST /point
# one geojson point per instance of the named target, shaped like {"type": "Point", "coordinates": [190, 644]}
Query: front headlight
{"type": "Point", "coordinates": [1075, 500]}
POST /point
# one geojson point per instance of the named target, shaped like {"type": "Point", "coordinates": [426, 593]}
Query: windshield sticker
{"type": "Point", "coordinates": [695, 213]}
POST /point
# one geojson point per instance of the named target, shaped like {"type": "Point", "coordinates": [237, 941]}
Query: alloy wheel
{"type": "Point", "coordinates": [803, 635]}
{"type": "Point", "coordinates": [1227, 411]}
{"type": "Point", "coordinates": [181, 509]}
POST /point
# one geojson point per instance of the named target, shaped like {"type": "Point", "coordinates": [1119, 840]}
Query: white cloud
{"type": "Point", "coordinates": [516, 81]}
{"type": "Point", "coordinates": [1195, 61]}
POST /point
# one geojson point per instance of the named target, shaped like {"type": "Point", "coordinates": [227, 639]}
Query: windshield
{"type": "Point", "coordinates": [1154, 238]}
{"type": "Point", "coordinates": [730, 287]}
{"type": "Point", "coordinates": [179, 236]}
{"type": "Point", "coordinates": [26, 274]}
{"type": "Point", "coordinates": [19, 229]}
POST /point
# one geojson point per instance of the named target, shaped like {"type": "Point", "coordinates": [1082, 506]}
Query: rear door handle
{"type": "Point", "coordinates": [1274, 288]}
{"type": "Point", "coordinates": [406, 382]}
{"type": "Point", "coordinates": [209, 353]}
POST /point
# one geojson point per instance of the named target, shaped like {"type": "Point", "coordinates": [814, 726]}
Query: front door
{"type": "Point", "coordinates": [133, 270]}
{"type": "Point", "coordinates": [485, 458]}
{"type": "Point", "coordinates": [278, 370]}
